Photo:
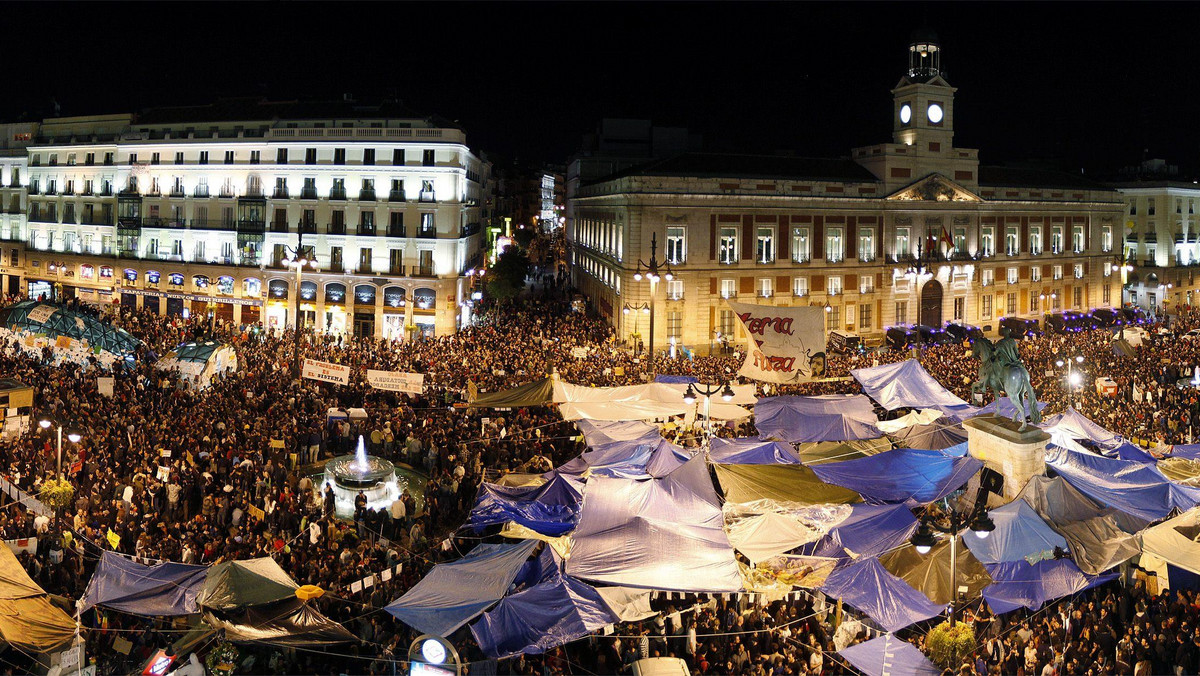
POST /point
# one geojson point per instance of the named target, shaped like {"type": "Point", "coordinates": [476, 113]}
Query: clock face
{"type": "Point", "coordinates": [905, 113]}
{"type": "Point", "coordinates": [433, 651]}
{"type": "Point", "coordinates": [935, 113]}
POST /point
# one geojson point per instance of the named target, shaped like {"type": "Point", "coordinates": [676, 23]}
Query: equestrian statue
{"type": "Point", "coordinates": [1001, 369]}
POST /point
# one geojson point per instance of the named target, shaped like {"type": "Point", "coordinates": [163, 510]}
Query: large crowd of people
{"type": "Point", "coordinates": [253, 440]}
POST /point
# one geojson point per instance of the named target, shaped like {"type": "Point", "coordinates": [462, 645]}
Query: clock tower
{"type": "Point", "coordinates": [922, 126]}
{"type": "Point", "coordinates": [923, 100]}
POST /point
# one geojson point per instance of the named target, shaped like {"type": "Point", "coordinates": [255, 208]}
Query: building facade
{"type": "Point", "coordinates": [200, 209]}
{"type": "Point", "coordinates": [1162, 243]}
{"type": "Point", "coordinates": [914, 231]}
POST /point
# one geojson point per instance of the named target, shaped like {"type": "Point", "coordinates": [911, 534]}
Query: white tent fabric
{"type": "Point", "coordinates": [651, 401]}
{"type": "Point", "coordinates": [603, 432]}
{"type": "Point", "coordinates": [1174, 541]}
{"type": "Point", "coordinates": [907, 384]}
{"type": "Point", "coordinates": [1071, 425]}
{"type": "Point", "coordinates": [630, 605]}
{"type": "Point", "coordinates": [920, 417]}
{"type": "Point", "coordinates": [664, 534]}
{"type": "Point", "coordinates": [766, 535]}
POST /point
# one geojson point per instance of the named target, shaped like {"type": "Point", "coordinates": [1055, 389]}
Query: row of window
{"type": "Point", "coordinates": [1013, 275]}
{"type": "Point", "coordinates": [729, 243]}
{"type": "Point", "coordinates": [253, 188]}
{"type": "Point", "coordinates": [367, 157]}
{"type": "Point", "coordinates": [1151, 202]}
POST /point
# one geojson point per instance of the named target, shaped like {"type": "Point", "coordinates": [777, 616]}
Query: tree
{"type": "Point", "coordinates": [949, 646]}
{"type": "Point", "coordinates": [507, 276]}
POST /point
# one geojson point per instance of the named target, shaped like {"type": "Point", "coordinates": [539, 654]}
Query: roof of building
{"type": "Point", "coordinates": [720, 165]}
{"type": "Point", "coordinates": [1022, 177]}
{"type": "Point", "coordinates": [53, 320]}
{"type": "Point", "coordinates": [1161, 183]}
{"type": "Point", "coordinates": [254, 109]}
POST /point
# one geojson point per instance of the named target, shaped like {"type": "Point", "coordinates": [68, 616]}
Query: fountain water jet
{"type": "Point", "coordinates": [374, 476]}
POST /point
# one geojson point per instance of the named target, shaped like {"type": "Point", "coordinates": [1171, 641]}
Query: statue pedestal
{"type": "Point", "coordinates": [1003, 446]}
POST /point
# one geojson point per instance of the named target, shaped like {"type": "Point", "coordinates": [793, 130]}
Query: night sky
{"type": "Point", "coordinates": [1092, 85]}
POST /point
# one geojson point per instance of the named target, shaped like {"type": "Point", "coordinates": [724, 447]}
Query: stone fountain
{"type": "Point", "coordinates": [374, 476]}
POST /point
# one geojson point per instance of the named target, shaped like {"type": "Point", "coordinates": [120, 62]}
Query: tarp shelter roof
{"type": "Point", "coordinates": [832, 417]}
{"type": "Point", "coordinates": [907, 384]}
{"type": "Point", "coordinates": [935, 436]}
{"type": "Point", "coordinates": [1099, 538]}
{"type": "Point", "coordinates": [453, 593]}
{"type": "Point", "coordinates": [930, 573]}
{"type": "Point", "coordinates": [650, 401]}
{"type": "Point", "coordinates": [762, 536]}
{"type": "Point", "coordinates": [536, 393]}
{"type": "Point", "coordinates": [56, 320]}
{"type": "Point", "coordinates": [750, 451]}
{"type": "Point", "coordinates": [633, 459]}
{"type": "Point", "coordinates": [199, 351]}
{"type": "Point", "coordinates": [1175, 541]}
{"type": "Point", "coordinates": [547, 615]}
{"type": "Point", "coordinates": [664, 534]}
{"type": "Point", "coordinates": [782, 483]}
{"type": "Point", "coordinates": [598, 432]}
{"type": "Point", "coordinates": [235, 584]}
{"type": "Point", "coordinates": [1019, 584]}
{"type": "Point", "coordinates": [1071, 429]}
{"type": "Point", "coordinates": [887, 655]}
{"type": "Point", "coordinates": [1132, 487]}
{"type": "Point", "coordinates": [162, 590]}
{"type": "Point", "coordinates": [289, 622]}
{"type": "Point", "coordinates": [28, 621]}
{"type": "Point", "coordinates": [837, 451]}
{"type": "Point", "coordinates": [1020, 535]}
{"type": "Point", "coordinates": [910, 419]}
{"type": "Point", "coordinates": [885, 598]}
{"type": "Point", "coordinates": [869, 530]}
{"type": "Point", "coordinates": [908, 475]}
{"type": "Point", "coordinates": [550, 509]}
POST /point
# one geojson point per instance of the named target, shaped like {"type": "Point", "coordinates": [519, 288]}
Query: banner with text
{"type": "Point", "coordinates": [784, 344]}
{"type": "Point", "coordinates": [326, 372]}
{"type": "Point", "coordinates": [396, 381]}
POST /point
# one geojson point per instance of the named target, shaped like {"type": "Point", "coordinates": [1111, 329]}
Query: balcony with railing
{"type": "Point", "coordinates": [396, 231]}
{"type": "Point", "coordinates": [279, 226]}
{"type": "Point", "coordinates": [280, 194]}
{"type": "Point", "coordinates": [213, 224]}
{"type": "Point", "coordinates": [366, 231]}
{"type": "Point", "coordinates": [396, 196]}
{"type": "Point", "coordinates": [252, 226]}
{"type": "Point", "coordinates": [201, 192]}
{"type": "Point", "coordinates": [308, 193]}
{"type": "Point", "coordinates": [423, 271]}
{"type": "Point", "coordinates": [397, 270]}
{"type": "Point", "coordinates": [337, 194]}
{"type": "Point", "coordinates": [95, 220]}
{"type": "Point", "coordinates": [473, 228]}
{"type": "Point", "coordinates": [366, 195]}
{"type": "Point", "coordinates": [334, 267]}
{"type": "Point", "coordinates": [106, 191]}
{"type": "Point", "coordinates": [336, 229]}
{"type": "Point", "coordinates": [308, 227]}
{"type": "Point", "coordinates": [427, 233]}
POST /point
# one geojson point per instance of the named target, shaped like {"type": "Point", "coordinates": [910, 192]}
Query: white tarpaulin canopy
{"type": "Point", "coordinates": [907, 384]}
{"type": "Point", "coordinates": [651, 401]}
{"type": "Point", "coordinates": [1175, 541]}
{"type": "Point", "coordinates": [664, 534]}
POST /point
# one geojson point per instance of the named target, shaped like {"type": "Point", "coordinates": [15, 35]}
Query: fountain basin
{"type": "Point", "coordinates": [349, 474]}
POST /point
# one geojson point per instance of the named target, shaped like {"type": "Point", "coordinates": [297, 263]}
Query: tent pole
{"type": "Point", "coordinates": [953, 564]}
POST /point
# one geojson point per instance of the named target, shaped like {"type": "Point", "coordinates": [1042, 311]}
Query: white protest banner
{"type": "Point", "coordinates": [396, 381]}
{"type": "Point", "coordinates": [105, 386]}
{"type": "Point", "coordinates": [41, 313]}
{"type": "Point", "coordinates": [579, 352]}
{"type": "Point", "coordinates": [22, 545]}
{"type": "Point", "coordinates": [326, 372]}
{"type": "Point", "coordinates": [784, 344]}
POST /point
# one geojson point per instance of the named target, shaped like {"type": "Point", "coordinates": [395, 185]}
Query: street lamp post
{"type": "Point", "coordinates": [637, 318]}
{"type": "Point", "coordinates": [977, 520]}
{"type": "Point", "coordinates": [651, 272]}
{"type": "Point", "coordinates": [72, 436]}
{"type": "Point", "coordinates": [300, 257]}
{"type": "Point", "coordinates": [689, 398]}
{"type": "Point", "coordinates": [1073, 376]}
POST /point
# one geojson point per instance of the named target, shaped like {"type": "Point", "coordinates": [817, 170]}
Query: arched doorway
{"type": "Point", "coordinates": [931, 303]}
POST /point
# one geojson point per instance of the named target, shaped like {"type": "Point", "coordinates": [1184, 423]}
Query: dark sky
{"type": "Point", "coordinates": [1081, 84]}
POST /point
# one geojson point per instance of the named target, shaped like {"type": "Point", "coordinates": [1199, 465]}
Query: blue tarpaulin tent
{"type": "Point", "coordinates": [885, 598]}
{"type": "Point", "coordinates": [547, 615]}
{"type": "Point", "coordinates": [600, 432]}
{"type": "Point", "coordinates": [1076, 432]}
{"type": "Point", "coordinates": [453, 593]}
{"type": "Point", "coordinates": [869, 531]}
{"type": "Point", "coordinates": [750, 451]}
{"type": "Point", "coordinates": [676, 380]}
{"type": "Point", "coordinates": [904, 474]}
{"type": "Point", "coordinates": [908, 385]}
{"type": "Point", "coordinates": [1018, 584]}
{"type": "Point", "coordinates": [1020, 535]}
{"type": "Point", "coordinates": [889, 656]}
{"type": "Point", "coordinates": [550, 509]}
{"type": "Point", "coordinates": [831, 417]}
{"type": "Point", "coordinates": [1132, 487]}
{"type": "Point", "coordinates": [162, 590]}
{"type": "Point", "coordinates": [632, 459]}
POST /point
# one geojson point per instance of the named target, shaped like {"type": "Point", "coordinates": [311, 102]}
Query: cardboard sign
{"type": "Point", "coordinates": [396, 381]}
{"type": "Point", "coordinates": [105, 386]}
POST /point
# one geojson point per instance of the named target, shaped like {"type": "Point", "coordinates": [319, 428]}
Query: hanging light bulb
{"type": "Point", "coordinates": [982, 525]}
{"type": "Point", "coordinates": [689, 396]}
{"type": "Point", "coordinates": [923, 539]}
{"type": "Point", "coordinates": [727, 393]}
